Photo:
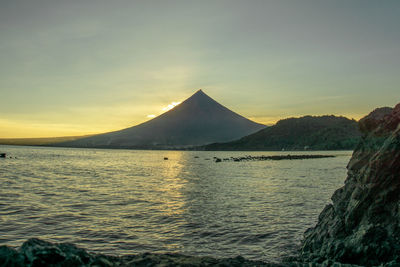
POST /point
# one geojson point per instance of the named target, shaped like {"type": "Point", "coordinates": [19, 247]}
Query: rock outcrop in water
{"type": "Point", "coordinates": [362, 226]}
{"type": "Point", "coordinates": [275, 157]}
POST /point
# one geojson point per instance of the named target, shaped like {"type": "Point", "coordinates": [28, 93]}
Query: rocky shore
{"type": "Point", "coordinates": [362, 225]}
{"type": "Point", "coordinates": [36, 253]}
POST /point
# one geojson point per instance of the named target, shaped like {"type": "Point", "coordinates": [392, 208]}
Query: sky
{"type": "Point", "coordinates": [90, 66]}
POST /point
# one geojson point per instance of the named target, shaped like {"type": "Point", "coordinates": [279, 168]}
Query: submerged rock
{"type": "Point", "coordinates": [362, 225]}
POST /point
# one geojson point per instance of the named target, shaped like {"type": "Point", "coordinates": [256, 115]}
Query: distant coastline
{"type": "Point", "coordinates": [40, 141]}
{"type": "Point", "coordinates": [308, 133]}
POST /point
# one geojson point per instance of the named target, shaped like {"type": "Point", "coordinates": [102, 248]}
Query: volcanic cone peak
{"type": "Point", "coordinates": [196, 121]}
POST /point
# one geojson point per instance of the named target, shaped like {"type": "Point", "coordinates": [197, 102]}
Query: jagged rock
{"type": "Point", "coordinates": [10, 257]}
{"type": "Point", "coordinates": [362, 225]}
{"type": "Point", "coordinates": [36, 252]}
{"type": "Point", "coordinates": [39, 253]}
{"type": "Point", "coordinates": [374, 119]}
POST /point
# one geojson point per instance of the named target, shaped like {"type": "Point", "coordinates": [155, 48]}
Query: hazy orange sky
{"type": "Point", "coordinates": [82, 67]}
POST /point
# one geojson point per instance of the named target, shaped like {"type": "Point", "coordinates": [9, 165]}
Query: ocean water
{"type": "Point", "coordinates": [128, 202]}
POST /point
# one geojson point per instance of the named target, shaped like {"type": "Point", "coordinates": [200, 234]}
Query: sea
{"type": "Point", "coordinates": [120, 202]}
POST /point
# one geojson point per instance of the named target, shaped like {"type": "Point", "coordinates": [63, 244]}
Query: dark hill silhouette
{"type": "Point", "coordinates": [199, 120]}
{"type": "Point", "coordinates": [309, 132]}
{"type": "Point", "coordinates": [40, 141]}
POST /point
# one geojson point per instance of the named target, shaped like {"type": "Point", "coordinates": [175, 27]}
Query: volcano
{"type": "Point", "coordinates": [199, 120]}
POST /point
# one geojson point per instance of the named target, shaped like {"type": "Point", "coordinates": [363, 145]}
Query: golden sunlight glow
{"type": "Point", "coordinates": [171, 106]}
{"type": "Point", "coordinates": [170, 188]}
{"type": "Point", "coordinates": [164, 109]}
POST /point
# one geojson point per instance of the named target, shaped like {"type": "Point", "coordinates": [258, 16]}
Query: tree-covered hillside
{"type": "Point", "coordinates": [305, 133]}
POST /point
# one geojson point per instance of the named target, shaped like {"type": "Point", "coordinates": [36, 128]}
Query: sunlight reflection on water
{"type": "Point", "coordinates": [126, 202]}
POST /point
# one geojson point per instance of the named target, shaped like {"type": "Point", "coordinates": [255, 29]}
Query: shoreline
{"type": "Point", "coordinates": [37, 252]}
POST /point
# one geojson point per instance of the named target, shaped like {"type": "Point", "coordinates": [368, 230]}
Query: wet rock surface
{"type": "Point", "coordinates": [36, 252]}
{"type": "Point", "coordinates": [362, 226]}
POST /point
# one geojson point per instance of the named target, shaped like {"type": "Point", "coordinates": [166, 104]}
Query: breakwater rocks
{"type": "Point", "coordinates": [362, 226]}
{"type": "Point", "coordinates": [277, 157]}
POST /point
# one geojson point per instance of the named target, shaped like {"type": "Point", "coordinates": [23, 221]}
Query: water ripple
{"type": "Point", "coordinates": [124, 202]}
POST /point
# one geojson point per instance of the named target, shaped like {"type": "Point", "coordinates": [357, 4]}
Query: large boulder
{"type": "Point", "coordinates": [362, 225]}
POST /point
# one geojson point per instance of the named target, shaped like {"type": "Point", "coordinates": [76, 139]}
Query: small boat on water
{"type": "Point", "coordinates": [3, 155]}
